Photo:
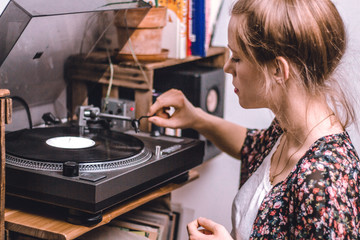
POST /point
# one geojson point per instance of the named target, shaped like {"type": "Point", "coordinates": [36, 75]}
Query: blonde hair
{"type": "Point", "coordinates": [310, 34]}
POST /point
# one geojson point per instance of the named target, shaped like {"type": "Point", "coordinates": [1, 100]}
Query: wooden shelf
{"type": "Point", "coordinates": [101, 57]}
{"type": "Point", "coordinates": [211, 53]}
{"type": "Point", "coordinates": [81, 70]}
{"type": "Point", "coordinates": [95, 68]}
{"type": "Point", "coordinates": [47, 226]}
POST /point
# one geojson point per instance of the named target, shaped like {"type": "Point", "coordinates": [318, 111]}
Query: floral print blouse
{"type": "Point", "coordinates": [320, 197]}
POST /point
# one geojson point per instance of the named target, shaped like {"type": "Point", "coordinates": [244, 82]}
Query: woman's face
{"type": "Point", "coordinates": [248, 80]}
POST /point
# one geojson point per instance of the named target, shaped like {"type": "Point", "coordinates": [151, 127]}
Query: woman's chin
{"type": "Point", "coordinates": [244, 105]}
{"type": "Point", "coordinates": [247, 105]}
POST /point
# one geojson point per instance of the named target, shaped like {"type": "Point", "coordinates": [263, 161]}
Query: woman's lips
{"type": "Point", "coordinates": [236, 90]}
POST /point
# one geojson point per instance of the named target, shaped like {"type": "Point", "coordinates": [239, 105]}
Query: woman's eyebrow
{"type": "Point", "coordinates": [231, 49]}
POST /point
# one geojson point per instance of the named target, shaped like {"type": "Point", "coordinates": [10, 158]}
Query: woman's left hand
{"type": "Point", "coordinates": [209, 230]}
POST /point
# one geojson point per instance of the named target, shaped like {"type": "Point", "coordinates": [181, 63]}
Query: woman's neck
{"type": "Point", "coordinates": [307, 119]}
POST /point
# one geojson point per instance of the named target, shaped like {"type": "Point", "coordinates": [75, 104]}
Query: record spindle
{"type": "Point", "coordinates": [5, 118]}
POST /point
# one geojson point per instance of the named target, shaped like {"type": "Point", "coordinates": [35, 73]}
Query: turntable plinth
{"type": "Point", "coordinates": [41, 225]}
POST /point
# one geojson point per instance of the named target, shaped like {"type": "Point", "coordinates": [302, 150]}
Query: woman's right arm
{"type": "Point", "coordinates": [229, 137]}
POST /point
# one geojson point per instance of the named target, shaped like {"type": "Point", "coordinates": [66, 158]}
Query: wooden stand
{"type": "Point", "coordinates": [45, 226]}
{"type": "Point", "coordinates": [5, 118]}
{"type": "Point", "coordinates": [95, 68]}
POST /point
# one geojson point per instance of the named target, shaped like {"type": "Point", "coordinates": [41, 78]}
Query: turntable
{"type": "Point", "coordinates": [88, 171]}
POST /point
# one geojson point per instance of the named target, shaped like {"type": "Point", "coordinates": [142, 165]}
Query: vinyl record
{"type": "Point", "coordinates": [100, 146]}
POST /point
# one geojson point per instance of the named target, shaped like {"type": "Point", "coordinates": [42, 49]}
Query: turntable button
{"type": "Point", "coordinates": [92, 177]}
{"type": "Point", "coordinates": [157, 151]}
{"type": "Point", "coordinates": [70, 169]}
{"type": "Point", "coordinates": [171, 149]}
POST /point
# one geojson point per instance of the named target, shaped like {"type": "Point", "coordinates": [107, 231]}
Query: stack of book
{"type": "Point", "coordinates": [189, 26]}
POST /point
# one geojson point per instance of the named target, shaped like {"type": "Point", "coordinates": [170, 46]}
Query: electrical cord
{"type": "Point", "coordinates": [112, 66]}
{"type": "Point", "coordinates": [109, 57]}
{"type": "Point", "coordinates": [132, 50]}
{"type": "Point", "coordinates": [110, 80]}
{"type": "Point", "coordinates": [26, 107]}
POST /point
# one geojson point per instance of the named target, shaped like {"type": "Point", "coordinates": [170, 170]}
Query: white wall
{"type": "Point", "coordinates": [3, 4]}
{"type": "Point", "coordinates": [350, 69]}
{"type": "Point", "coordinates": [212, 194]}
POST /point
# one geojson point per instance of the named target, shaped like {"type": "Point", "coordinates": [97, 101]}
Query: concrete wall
{"type": "Point", "coordinates": [212, 194]}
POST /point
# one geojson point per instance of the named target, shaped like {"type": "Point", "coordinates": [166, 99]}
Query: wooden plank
{"type": "Point", "coordinates": [143, 101]}
{"type": "Point", "coordinates": [46, 227]}
{"type": "Point", "coordinates": [100, 57]}
{"type": "Point", "coordinates": [78, 95]}
{"type": "Point", "coordinates": [116, 82]}
{"type": "Point", "coordinates": [8, 110]}
{"type": "Point", "coordinates": [2, 166]}
{"type": "Point", "coordinates": [125, 77]}
{"type": "Point", "coordinates": [98, 70]}
{"type": "Point", "coordinates": [5, 117]}
{"type": "Point", "coordinates": [212, 52]}
{"type": "Point", "coordinates": [4, 92]}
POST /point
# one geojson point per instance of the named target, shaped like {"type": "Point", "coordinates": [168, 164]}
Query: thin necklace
{"type": "Point", "coordinates": [288, 160]}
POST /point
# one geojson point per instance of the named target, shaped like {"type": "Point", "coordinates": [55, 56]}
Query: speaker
{"type": "Point", "coordinates": [203, 86]}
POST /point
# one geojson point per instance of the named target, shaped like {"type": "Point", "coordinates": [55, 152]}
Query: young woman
{"type": "Point", "coordinates": [300, 178]}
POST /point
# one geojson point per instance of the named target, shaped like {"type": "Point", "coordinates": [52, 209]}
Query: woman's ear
{"type": "Point", "coordinates": [281, 74]}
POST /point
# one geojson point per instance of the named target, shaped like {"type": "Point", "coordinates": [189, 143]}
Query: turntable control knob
{"type": "Point", "coordinates": [70, 169]}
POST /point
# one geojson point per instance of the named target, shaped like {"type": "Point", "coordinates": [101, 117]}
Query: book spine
{"type": "Point", "coordinates": [175, 31]}
{"type": "Point", "coordinates": [189, 28]}
{"type": "Point", "coordinates": [183, 29]}
{"type": "Point", "coordinates": [208, 23]}
{"type": "Point", "coordinates": [198, 28]}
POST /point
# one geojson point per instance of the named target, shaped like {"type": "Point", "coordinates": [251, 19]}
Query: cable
{"type": "Point", "coordinates": [110, 80]}
{"type": "Point", "coordinates": [132, 50]}
{"type": "Point", "coordinates": [26, 106]}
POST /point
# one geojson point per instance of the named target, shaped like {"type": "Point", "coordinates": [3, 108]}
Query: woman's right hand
{"type": "Point", "coordinates": [184, 116]}
{"type": "Point", "coordinates": [227, 136]}
{"type": "Point", "coordinates": [209, 230]}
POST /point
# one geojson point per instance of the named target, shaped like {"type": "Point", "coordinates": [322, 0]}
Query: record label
{"type": "Point", "coordinates": [69, 142]}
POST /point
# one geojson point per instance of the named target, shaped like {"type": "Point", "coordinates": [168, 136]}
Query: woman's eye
{"type": "Point", "coordinates": [235, 60]}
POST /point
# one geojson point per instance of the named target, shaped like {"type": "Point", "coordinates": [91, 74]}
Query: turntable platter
{"type": "Point", "coordinates": [35, 148]}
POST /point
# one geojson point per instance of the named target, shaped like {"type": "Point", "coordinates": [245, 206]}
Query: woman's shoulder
{"type": "Point", "coordinates": [334, 149]}
{"type": "Point", "coordinates": [330, 158]}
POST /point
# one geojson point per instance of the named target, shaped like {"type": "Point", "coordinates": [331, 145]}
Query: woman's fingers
{"type": "Point", "coordinates": [193, 226]}
{"type": "Point", "coordinates": [203, 228]}
{"type": "Point", "coordinates": [182, 114]}
{"type": "Point", "coordinates": [208, 224]}
{"type": "Point", "coordinates": [171, 98]}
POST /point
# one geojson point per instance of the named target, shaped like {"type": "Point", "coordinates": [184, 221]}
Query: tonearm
{"type": "Point", "coordinates": [87, 113]}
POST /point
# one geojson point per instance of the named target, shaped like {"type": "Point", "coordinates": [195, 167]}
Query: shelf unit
{"type": "Point", "coordinates": [95, 68]}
